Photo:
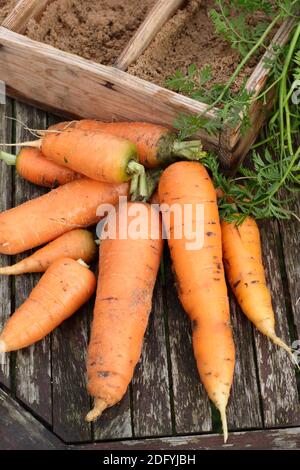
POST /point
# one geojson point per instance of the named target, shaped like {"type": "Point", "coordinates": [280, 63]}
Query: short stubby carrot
{"type": "Point", "coordinates": [45, 218]}
{"type": "Point", "coordinates": [61, 291]}
{"type": "Point", "coordinates": [200, 276]}
{"type": "Point", "coordinates": [77, 244]}
{"type": "Point", "coordinates": [156, 145]}
{"type": "Point", "coordinates": [245, 271]}
{"type": "Point", "coordinates": [31, 165]}
{"type": "Point", "coordinates": [127, 273]}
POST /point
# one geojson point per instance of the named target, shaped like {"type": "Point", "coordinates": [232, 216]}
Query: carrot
{"type": "Point", "coordinates": [95, 154]}
{"type": "Point", "coordinates": [61, 210]}
{"type": "Point", "coordinates": [156, 145]}
{"type": "Point", "coordinates": [244, 268]}
{"type": "Point", "coordinates": [200, 277]}
{"type": "Point", "coordinates": [127, 274]}
{"type": "Point", "coordinates": [31, 165]}
{"type": "Point", "coordinates": [77, 244]}
{"type": "Point", "coordinates": [63, 289]}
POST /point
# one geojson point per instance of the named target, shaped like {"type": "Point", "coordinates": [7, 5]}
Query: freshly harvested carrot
{"type": "Point", "coordinates": [127, 274]}
{"type": "Point", "coordinates": [200, 277]}
{"type": "Point", "coordinates": [77, 244]}
{"type": "Point", "coordinates": [156, 145]}
{"type": "Point", "coordinates": [245, 271]}
{"type": "Point", "coordinates": [45, 218]}
{"type": "Point", "coordinates": [61, 291]}
{"type": "Point", "coordinates": [31, 164]}
{"type": "Point", "coordinates": [98, 155]}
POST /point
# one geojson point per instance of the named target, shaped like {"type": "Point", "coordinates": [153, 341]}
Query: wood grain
{"type": "Point", "coordinates": [18, 18]}
{"type": "Point", "coordinates": [6, 173]}
{"type": "Point", "coordinates": [243, 410]}
{"type": "Point", "coordinates": [156, 18]}
{"type": "Point", "coordinates": [33, 365]}
{"type": "Point", "coordinates": [19, 430]}
{"type": "Point", "coordinates": [192, 412]}
{"type": "Point", "coordinates": [280, 401]}
{"type": "Point", "coordinates": [150, 386]}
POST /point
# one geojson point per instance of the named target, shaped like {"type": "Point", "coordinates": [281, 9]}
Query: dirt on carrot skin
{"type": "Point", "coordinates": [5, 8]}
{"type": "Point", "coordinates": [189, 37]}
{"type": "Point", "coordinates": [94, 29]}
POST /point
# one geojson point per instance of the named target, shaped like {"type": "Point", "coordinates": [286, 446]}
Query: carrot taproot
{"type": "Point", "coordinates": [31, 165]}
{"type": "Point", "coordinates": [61, 291]}
{"type": "Point", "coordinates": [45, 218]}
{"type": "Point", "coordinates": [77, 244]}
{"type": "Point", "coordinates": [95, 154]}
{"type": "Point", "coordinates": [127, 274]}
{"type": "Point", "coordinates": [245, 271]}
{"type": "Point", "coordinates": [200, 275]}
{"type": "Point", "coordinates": [156, 145]}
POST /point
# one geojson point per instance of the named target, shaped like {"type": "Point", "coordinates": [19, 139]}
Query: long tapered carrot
{"type": "Point", "coordinates": [31, 165]}
{"type": "Point", "coordinates": [245, 271]}
{"type": "Point", "coordinates": [62, 290]}
{"type": "Point", "coordinates": [45, 218]}
{"type": "Point", "coordinates": [95, 154]}
{"type": "Point", "coordinates": [77, 244]}
{"type": "Point", "coordinates": [156, 145]}
{"type": "Point", "coordinates": [200, 276]}
{"type": "Point", "coordinates": [127, 274]}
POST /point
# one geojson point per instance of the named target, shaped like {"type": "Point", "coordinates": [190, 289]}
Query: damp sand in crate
{"type": "Point", "coordinates": [77, 87]}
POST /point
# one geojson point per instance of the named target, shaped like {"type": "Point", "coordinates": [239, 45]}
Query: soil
{"type": "Point", "coordinates": [5, 8]}
{"type": "Point", "coordinates": [189, 38]}
{"type": "Point", "coordinates": [95, 29]}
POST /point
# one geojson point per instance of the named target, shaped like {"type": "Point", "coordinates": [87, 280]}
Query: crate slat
{"type": "Point", "coordinates": [157, 17]}
{"type": "Point", "coordinates": [18, 18]}
{"type": "Point", "coordinates": [33, 365]}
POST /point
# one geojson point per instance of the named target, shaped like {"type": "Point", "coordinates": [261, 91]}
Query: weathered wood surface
{"type": "Point", "coordinates": [273, 439]}
{"type": "Point", "coordinates": [280, 400]}
{"type": "Point", "coordinates": [19, 430]}
{"type": "Point", "coordinates": [156, 18]}
{"type": "Point", "coordinates": [150, 387]}
{"type": "Point", "coordinates": [18, 18]}
{"type": "Point", "coordinates": [6, 178]}
{"type": "Point", "coordinates": [192, 412]}
{"type": "Point", "coordinates": [32, 371]}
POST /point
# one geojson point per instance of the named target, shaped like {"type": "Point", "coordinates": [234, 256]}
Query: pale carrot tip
{"type": "Point", "coordinates": [224, 423]}
{"type": "Point", "coordinates": [99, 406]}
{"type": "Point", "coordinates": [2, 346]}
{"type": "Point", "coordinates": [284, 346]}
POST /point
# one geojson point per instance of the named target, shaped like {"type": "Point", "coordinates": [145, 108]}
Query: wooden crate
{"type": "Point", "coordinates": [72, 86]}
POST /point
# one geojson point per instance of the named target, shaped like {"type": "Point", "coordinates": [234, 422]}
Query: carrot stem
{"type": "Point", "coordinates": [140, 183]}
{"type": "Point", "coordinates": [191, 150]}
{"type": "Point", "coordinates": [8, 158]}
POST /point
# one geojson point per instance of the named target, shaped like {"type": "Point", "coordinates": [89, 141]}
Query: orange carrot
{"type": "Point", "coordinates": [156, 145]}
{"type": "Point", "coordinates": [77, 244]}
{"type": "Point", "coordinates": [127, 274]}
{"type": "Point", "coordinates": [61, 210]}
{"type": "Point", "coordinates": [98, 155]}
{"type": "Point", "coordinates": [244, 268]}
{"type": "Point", "coordinates": [200, 276]}
{"type": "Point", "coordinates": [63, 289]}
{"type": "Point", "coordinates": [34, 167]}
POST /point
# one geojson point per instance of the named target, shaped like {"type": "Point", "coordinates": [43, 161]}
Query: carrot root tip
{"type": "Point", "coordinates": [284, 346]}
{"type": "Point", "coordinates": [2, 347]}
{"type": "Point", "coordinates": [99, 406]}
{"type": "Point", "coordinates": [224, 423]}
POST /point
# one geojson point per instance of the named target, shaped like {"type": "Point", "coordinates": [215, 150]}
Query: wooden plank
{"type": "Point", "coordinates": [77, 86]}
{"type": "Point", "coordinates": [33, 364]}
{"type": "Point", "coordinates": [150, 387]}
{"type": "Point", "coordinates": [192, 412]}
{"type": "Point", "coordinates": [5, 203]}
{"type": "Point", "coordinates": [115, 423]}
{"type": "Point", "coordinates": [289, 230]}
{"type": "Point", "coordinates": [278, 386]}
{"type": "Point", "coordinates": [19, 430]}
{"type": "Point", "coordinates": [273, 439]}
{"type": "Point", "coordinates": [157, 17]}
{"type": "Point", "coordinates": [243, 410]}
{"type": "Point", "coordinates": [18, 18]}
